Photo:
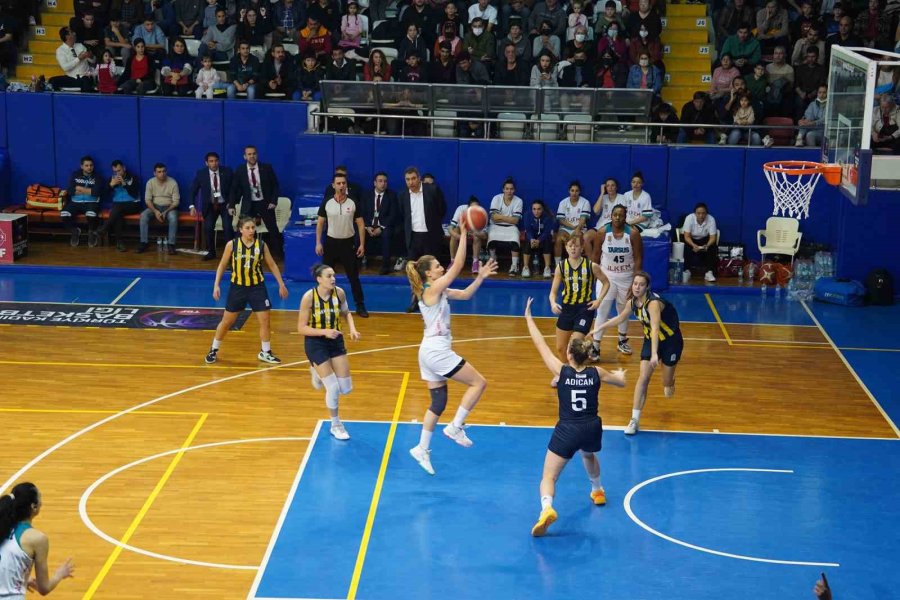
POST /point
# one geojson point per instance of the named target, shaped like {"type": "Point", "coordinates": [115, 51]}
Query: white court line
{"type": "Point", "coordinates": [126, 290]}
{"type": "Point", "coordinates": [633, 517]}
{"type": "Point", "coordinates": [86, 519]}
{"type": "Point", "coordinates": [261, 569]}
{"type": "Point", "coordinates": [849, 368]}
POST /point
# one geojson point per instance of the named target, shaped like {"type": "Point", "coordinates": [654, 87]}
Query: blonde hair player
{"type": "Point", "coordinates": [246, 253]}
{"type": "Point", "coordinates": [321, 309]}
{"type": "Point", "coordinates": [662, 341]}
{"type": "Point", "coordinates": [437, 360]}
{"type": "Point", "coordinates": [579, 427]}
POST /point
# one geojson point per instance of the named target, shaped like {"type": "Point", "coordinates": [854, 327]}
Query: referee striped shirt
{"type": "Point", "coordinates": [340, 217]}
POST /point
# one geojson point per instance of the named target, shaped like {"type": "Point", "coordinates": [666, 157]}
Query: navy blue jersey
{"type": "Point", "coordinates": [578, 393]}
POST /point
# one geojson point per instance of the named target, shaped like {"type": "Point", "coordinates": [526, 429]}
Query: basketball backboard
{"type": "Point", "coordinates": [856, 79]}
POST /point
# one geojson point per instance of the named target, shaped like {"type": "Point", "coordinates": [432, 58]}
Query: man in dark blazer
{"type": "Point", "coordinates": [381, 211]}
{"type": "Point", "coordinates": [353, 189]}
{"type": "Point", "coordinates": [422, 207]}
{"type": "Point", "coordinates": [255, 187]}
{"type": "Point", "coordinates": [213, 183]}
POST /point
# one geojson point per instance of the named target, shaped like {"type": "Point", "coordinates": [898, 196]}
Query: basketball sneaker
{"type": "Point", "coordinates": [594, 353]}
{"type": "Point", "coordinates": [554, 381]}
{"type": "Point", "coordinates": [211, 356]}
{"type": "Point", "coordinates": [709, 277]}
{"type": "Point", "coordinates": [513, 270]}
{"type": "Point", "coordinates": [76, 236]}
{"type": "Point", "coordinates": [423, 457]}
{"type": "Point", "coordinates": [623, 346]}
{"type": "Point", "coordinates": [632, 427]}
{"type": "Point", "coordinates": [547, 273]}
{"type": "Point", "coordinates": [458, 435]}
{"type": "Point", "coordinates": [599, 497]}
{"type": "Point", "coordinates": [548, 516]}
{"type": "Point", "coordinates": [526, 272]}
{"type": "Point", "coordinates": [268, 357]}
{"type": "Point", "coordinates": [316, 380]}
{"type": "Point", "coordinates": [339, 432]}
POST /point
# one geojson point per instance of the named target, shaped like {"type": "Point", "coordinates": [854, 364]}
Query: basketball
{"type": "Point", "coordinates": [475, 218]}
{"type": "Point", "coordinates": [767, 273]}
{"type": "Point", "coordinates": [783, 273]}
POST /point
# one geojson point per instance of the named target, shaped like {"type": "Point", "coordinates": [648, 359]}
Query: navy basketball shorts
{"type": "Point", "coordinates": [669, 350]}
{"type": "Point", "coordinates": [571, 436]}
{"type": "Point", "coordinates": [321, 349]}
{"type": "Point", "coordinates": [239, 296]}
{"type": "Point", "coordinates": [575, 317]}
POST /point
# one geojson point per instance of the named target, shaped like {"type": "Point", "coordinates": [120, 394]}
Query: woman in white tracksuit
{"type": "Point", "coordinates": [621, 255]}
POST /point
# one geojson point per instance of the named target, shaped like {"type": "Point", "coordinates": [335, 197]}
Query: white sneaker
{"type": "Point", "coordinates": [526, 272]}
{"type": "Point", "coordinates": [632, 427]}
{"type": "Point", "coordinates": [722, 139]}
{"type": "Point", "coordinates": [339, 432]}
{"type": "Point", "coordinates": [458, 435]}
{"type": "Point", "coordinates": [513, 269]}
{"type": "Point", "coordinates": [623, 346]}
{"type": "Point", "coordinates": [799, 141]}
{"type": "Point", "coordinates": [709, 277]}
{"type": "Point", "coordinates": [268, 357]}
{"type": "Point", "coordinates": [316, 380]}
{"type": "Point", "coordinates": [423, 457]}
{"type": "Point", "coordinates": [554, 381]}
{"type": "Point", "coordinates": [768, 141]}
{"type": "Point", "coordinates": [398, 266]}
{"type": "Point", "coordinates": [547, 273]}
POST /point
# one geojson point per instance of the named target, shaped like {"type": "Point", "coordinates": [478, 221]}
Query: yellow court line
{"type": "Point", "coordinates": [44, 363]}
{"type": "Point", "coordinates": [376, 495]}
{"type": "Point", "coordinates": [712, 307]}
{"type": "Point", "coordinates": [97, 412]}
{"type": "Point", "coordinates": [95, 585]}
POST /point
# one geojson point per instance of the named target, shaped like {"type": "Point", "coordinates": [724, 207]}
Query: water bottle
{"type": "Point", "coordinates": [751, 274]}
{"type": "Point", "coordinates": [741, 276]}
{"type": "Point", "coordinates": [777, 291]}
{"type": "Point", "coordinates": [535, 262]}
{"type": "Point", "coordinates": [791, 289]}
{"type": "Point", "coordinates": [159, 244]}
{"type": "Point", "coordinates": [672, 274]}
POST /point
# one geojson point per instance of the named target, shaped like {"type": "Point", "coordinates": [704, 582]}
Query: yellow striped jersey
{"type": "Point", "coordinates": [325, 314]}
{"type": "Point", "coordinates": [578, 282]}
{"type": "Point", "coordinates": [668, 317]}
{"type": "Point", "coordinates": [246, 262]}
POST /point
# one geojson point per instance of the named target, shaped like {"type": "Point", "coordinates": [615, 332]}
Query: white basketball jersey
{"type": "Point", "coordinates": [617, 256]}
{"type": "Point", "coordinates": [437, 318]}
{"type": "Point", "coordinates": [15, 565]}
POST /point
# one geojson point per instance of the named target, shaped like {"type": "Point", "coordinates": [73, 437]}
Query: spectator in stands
{"type": "Point", "coordinates": [543, 73]}
{"type": "Point", "coordinates": [425, 19]}
{"type": "Point", "coordinates": [538, 238]}
{"type": "Point", "coordinates": [443, 67]}
{"type": "Point", "coordinates": [354, 27]}
{"type": "Point", "coordinates": [107, 73]}
{"type": "Point", "coordinates": [664, 113]}
{"type": "Point", "coordinates": [743, 48]}
{"type": "Point", "coordinates": [580, 41]}
{"type": "Point", "coordinates": [873, 26]}
{"type": "Point", "coordinates": [89, 33]}
{"type": "Point", "coordinates": [471, 72]}
{"type": "Point", "coordinates": [82, 197]}
{"type": "Point", "coordinates": [843, 37]}
{"type": "Point", "coordinates": [780, 81]}
{"type": "Point", "coordinates": [551, 12]}
{"type": "Point", "coordinates": [743, 114]}
{"type": "Point", "coordinates": [699, 118]}
{"type": "Point", "coordinates": [813, 120]}
{"type": "Point", "coordinates": [411, 70]}
{"type": "Point", "coordinates": [546, 41]}
{"type": "Point", "coordinates": [727, 104]}
{"type": "Point", "coordinates": [376, 65]}
{"type": "Point", "coordinates": [339, 69]}
{"type": "Point", "coordinates": [176, 71]}
{"type": "Point", "coordinates": [514, 11]}
{"type": "Point", "coordinates": [572, 216]}
{"type": "Point", "coordinates": [8, 45]}
{"type": "Point", "coordinates": [647, 16]}
{"type": "Point", "coordinates": [483, 10]}
{"type": "Point", "coordinates": [831, 20]}
{"type": "Point", "coordinates": [422, 209]}
{"type": "Point", "coordinates": [315, 37]}
{"type": "Point", "coordinates": [243, 72]}
{"type": "Point", "coordinates": [449, 35]}
{"type": "Point", "coordinates": [610, 72]}
{"type": "Point", "coordinates": [732, 16]}
{"type": "Point", "coordinates": [278, 75]}
{"type": "Point", "coordinates": [480, 43]}
{"type": "Point", "coordinates": [213, 183]}
{"type": "Point", "coordinates": [99, 8]}
{"type": "Point", "coordinates": [807, 20]}
{"type": "Point", "coordinates": [579, 73]}
{"type": "Point", "coordinates": [309, 77]}
{"type": "Point", "coordinates": [810, 40]}
{"type": "Point", "coordinates": [255, 188]}
{"type": "Point", "coordinates": [503, 234]}
{"type": "Point", "coordinates": [701, 238]}
{"type": "Point", "coordinates": [287, 18]}
{"type": "Point", "coordinates": [328, 13]}
{"type": "Point", "coordinates": [207, 79]}
{"type": "Point", "coordinates": [808, 77]}
{"type": "Point", "coordinates": [163, 14]}
{"type": "Point", "coordinates": [477, 237]}
{"type": "Point", "coordinates": [645, 76]}
{"type": "Point", "coordinates": [218, 41]}
{"type": "Point", "coordinates": [209, 14]}
{"type": "Point", "coordinates": [25, 12]}
{"type": "Point", "coordinates": [613, 41]}
{"type": "Point", "coordinates": [511, 71]}
{"type": "Point", "coordinates": [265, 14]}
{"type": "Point", "coordinates": [139, 76]}
{"type": "Point", "coordinates": [162, 198]}
{"type": "Point", "coordinates": [412, 42]}
{"type": "Point", "coordinates": [722, 77]}
{"type": "Point", "coordinates": [116, 37]}
{"type": "Point", "coordinates": [189, 16]}
{"type": "Point", "coordinates": [153, 37]}
{"type": "Point", "coordinates": [886, 126]}
{"type": "Point", "coordinates": [126, 200]}
{"type": "Point", "coordinates": [772, 27]}
{"type": "Point", "coordinates": [254, 31]}
{"type": "Point", "coordinates": [758, 87]}
{"type": "Point", "coordinates": [576, 19]}
{"type": "Point", "coordinates": [643, 43]}
{"type": "Point", "coordinates": [76, 61]}
{"type": "Point", "coordinates": [380, 211]}
{"type": "Point", "coordinates": [451, 15]}
{"type": "Point", "coordinates": [606, 18]}
{"type": "Point", "coordinates": [638, 202]}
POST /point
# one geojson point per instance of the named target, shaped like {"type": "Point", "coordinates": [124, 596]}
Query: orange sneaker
{"type": "Point", "coordinates": [548, 516]}
{"type": "Point", "coordinates": [599, 497]}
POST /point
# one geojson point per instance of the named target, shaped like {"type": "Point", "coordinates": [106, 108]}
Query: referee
{"type": "Point", "coordinates": [340, 213]}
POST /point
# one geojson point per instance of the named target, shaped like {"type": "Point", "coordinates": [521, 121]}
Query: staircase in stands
{"type": "Point", "coordinates": [687, 52]}
{"type": "Point", "coordinates": [43, 40]}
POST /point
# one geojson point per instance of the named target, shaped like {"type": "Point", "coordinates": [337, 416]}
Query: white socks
{"type": "Point", "coordinates": [515, 261]}
{"type": "Point", "coordinates": [335, 420]}
{"type": "Point", "coordinates": [425, 439]}
{"type": "Point", "coordinates": [546, 502]}
{"type": "Point", "coordinates": [460, 418]}
{"type": "Point", "coordinates": [216, 343]}
{"type": "Point", "coordinates": [636, 415]}
{"type": "Point", "coordinates": [267, 346]}
{"type": "Point", "coordinates": [595, 484]}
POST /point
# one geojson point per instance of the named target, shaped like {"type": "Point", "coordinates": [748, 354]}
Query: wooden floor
{"type": "Point", "coordinates": [220, 504]}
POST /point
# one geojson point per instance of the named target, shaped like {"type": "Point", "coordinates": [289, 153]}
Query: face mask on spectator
{"type": "Point", "coordinates": [643, 33]}
{"type": "Point", "coordinates": [579, 37]}
{"type": "Point", "coordinates": [613, 32]}
{"type": "Point", "coordinates": [476, 31]}
{"type": "Point", "coordinates": [644, 62]}
{"type": "Point", "coordinates": [545, 31]}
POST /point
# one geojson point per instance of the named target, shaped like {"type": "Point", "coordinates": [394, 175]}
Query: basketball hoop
{"type": "Point", "coordinates": [793, 182]}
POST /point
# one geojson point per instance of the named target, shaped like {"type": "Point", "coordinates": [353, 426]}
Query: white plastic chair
{"type": "Point", "coordinates": [444, 128]}
{"type": "Point", "coordinates": [782, 237]}
{"type": "Point", "coordinates": [193, 47]}
{"type": "Point", "coordinates": [512, 131]}
{"type": "Point", "coordinates": [292, 49]}
{"type": "Point", "coordinates": [282, 216]}
{"type": "Point", "coordinates": [259, 52]}
{"type": "Point", "coordinates": [548, 129]}
{"type": "Point", "coordinates": [578, 133]}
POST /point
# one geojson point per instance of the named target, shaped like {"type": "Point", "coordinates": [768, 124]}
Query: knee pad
{"type": "Point", "coordinates": [332, 391]}
{"type": "Point", "coordinates": [438, 400]}
{"type": "Point", "coordinates": [345, 384]}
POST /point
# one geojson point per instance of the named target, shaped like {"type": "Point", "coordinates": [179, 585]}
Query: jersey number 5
{"type": "Point", "coordinates": [579, 402]}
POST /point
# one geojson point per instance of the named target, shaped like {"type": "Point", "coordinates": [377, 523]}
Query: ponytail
{"type": "Point", "coordinates": [580, 350]}
{"type": "Point", "coordinates": [415, 272]}
{"type": "Point", "coordinates": [15, 507]}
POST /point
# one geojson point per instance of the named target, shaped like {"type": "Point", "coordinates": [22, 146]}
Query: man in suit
{"type": "Point", "coordinates": [380, 211]}
{"type": "Point", "coordinates": [422, 207]}
{"type": "Point", "coordinates": [214, 185]}
{"type": "Point", "coordinates": [255, 186]}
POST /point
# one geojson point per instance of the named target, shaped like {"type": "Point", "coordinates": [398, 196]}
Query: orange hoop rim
{"type": "Point", "coordinates": [832, 172]}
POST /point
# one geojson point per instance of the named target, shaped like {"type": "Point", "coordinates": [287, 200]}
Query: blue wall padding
{"type": "Point", "coordinates": [438, 157]}
{"type": "Point", "coordinates": [356, 153]}
{"type": "Point", "coordinates": [104, 136]}
{"type": "Point", "coordinates": [3, 138]}
{"type": "Point", "coordinates": [653, 163]}
{"type": "Point", "coordinates": [590, 165]}
{"type": "Point", "coordinates": [179, 132]}
{"type": "Point", "coordinates": [314, 166]}
{"type": "Point", "coordinates": [30, 142]}
{"type": "Point", "coordinates": [483, 168]}
{"type": "Point", "coordinates": [868, 236]}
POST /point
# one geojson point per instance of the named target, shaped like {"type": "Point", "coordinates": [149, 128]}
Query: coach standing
{"type": "Point", "coordinates": [213, 183]}
{"type": "Point", "coordinates": [256, 188]}
{"type": "Point", "coordinates": [340, 213]}
{"type": "Point", "coordinates": [423, 207]}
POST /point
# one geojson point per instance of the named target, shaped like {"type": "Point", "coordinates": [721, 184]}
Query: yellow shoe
{"type": "Point", "coordinates": [548, 516]}
{"type": "Point", "coordinates": [599, 497]}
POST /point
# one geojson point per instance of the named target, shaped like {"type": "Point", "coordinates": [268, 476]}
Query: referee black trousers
{"type": "Point", "coordinates": [344, 252]}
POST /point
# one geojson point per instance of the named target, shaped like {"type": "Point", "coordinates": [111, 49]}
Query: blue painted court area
{"type": "Point", "coordinates": [465, 533]}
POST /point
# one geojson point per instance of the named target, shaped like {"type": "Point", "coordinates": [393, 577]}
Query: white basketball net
{"type": "Point", "coordinates": [792, 193]}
